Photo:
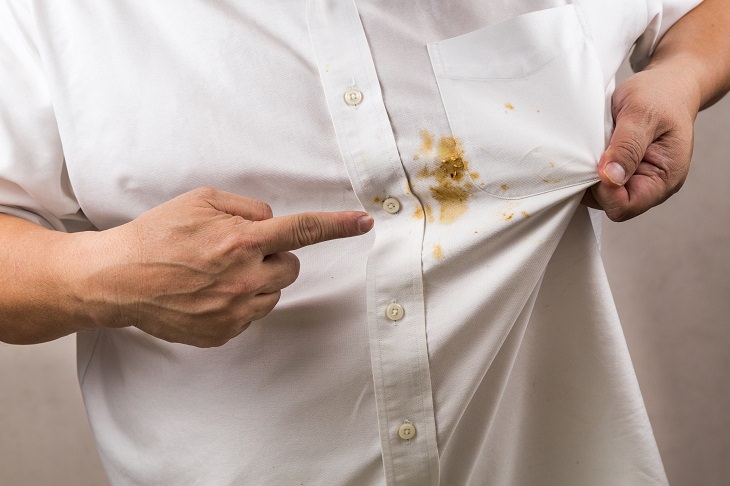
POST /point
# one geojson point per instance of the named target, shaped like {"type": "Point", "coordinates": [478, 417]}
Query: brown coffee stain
{"type": "Point", "coordinates": [426, 212]}
{"type": "Point", "coordinates": [438, 252]}
{"type": "Point", "coordinates": [551, 180]}
{"type": "Point", "coordinates": [511, 212]}
{"type": "Point", "coordinates": [452, 184]}
{"type": "Point", "coordinates": [509, 106]}
{"type": "Point", "coordinates": [429, 213]}
{"type": "Point", "coordinates": [509, 216]}
{"type": "Point", "coordinates": [548, 178]}
{"type": "Point", "coordinates": [426, 142]}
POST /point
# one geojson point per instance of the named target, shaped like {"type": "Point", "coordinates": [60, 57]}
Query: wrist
{"type": "Point", "coordinates": [90, 270]}
{"type": "Point", "coordinates": [42, 297]}
{"type": "Point", "coordinates": [682, 74]}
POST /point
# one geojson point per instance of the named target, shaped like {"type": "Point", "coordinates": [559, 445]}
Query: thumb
{"type": "Point", "coordinates": [287, 233]}
{"type": "Point", "coordinates": [631, 137]}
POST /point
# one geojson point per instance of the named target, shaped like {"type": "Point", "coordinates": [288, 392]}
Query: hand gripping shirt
{"type": "Point", "coordinates": [469, 339]}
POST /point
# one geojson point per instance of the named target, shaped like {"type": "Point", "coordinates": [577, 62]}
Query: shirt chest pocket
{"type": "Point", "coordinates": [526, 99]}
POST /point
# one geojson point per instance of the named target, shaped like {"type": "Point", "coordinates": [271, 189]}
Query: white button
{"type": "Point", "coordinates": [391, 205]}
{"type": "Point", "coordinates": [353, 96]}
{"type": "Point", "coordinates": [395, 312]}
{"type": "Point", "coordinates": [407, 431]}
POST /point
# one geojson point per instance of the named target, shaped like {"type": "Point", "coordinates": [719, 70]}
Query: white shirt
{"type": "Point", "coordinates": [470, 339]}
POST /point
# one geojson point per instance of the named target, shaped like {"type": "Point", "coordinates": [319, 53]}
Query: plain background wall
{"type": "Point", "coordinates": [670, 273]}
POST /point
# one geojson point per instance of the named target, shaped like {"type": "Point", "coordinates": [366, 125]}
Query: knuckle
{"type": "Point", "coordinates": [264, 305]}
{"type": "Point", "coordinates": [308, 229]}
{"type": "Point", "coordinates": [244, 244]}
{"type": "Point", "coordinates": [265, 210]}
{"type": "Point", "coordinates": [296, 267]}
{"type": "Point", "coordinates": [292, 265]}
{"type": "Point", "coordinates": [617, 215]}
{"type": "Point", "coordinates": [204, 192]}
{"type": "Point", "coordinates": [291, 274]}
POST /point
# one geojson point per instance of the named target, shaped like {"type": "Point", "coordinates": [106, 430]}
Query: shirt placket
{"type": "Point", "coordinates": [396, 315]}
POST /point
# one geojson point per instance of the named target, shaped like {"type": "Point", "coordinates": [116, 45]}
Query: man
{"type": "Point", "coordinates": [469, 339]}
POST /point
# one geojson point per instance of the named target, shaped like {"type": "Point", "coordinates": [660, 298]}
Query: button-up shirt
{"type": "Point", "coordinates": [470, 339]}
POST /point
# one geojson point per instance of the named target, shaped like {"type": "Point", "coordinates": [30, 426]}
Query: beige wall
{"type": "Point", "coordinates": [670, 271]}
{"type": "Point", "coordinates": [670, 274]}
{"type": "Point", "coordinates": [45, 437]}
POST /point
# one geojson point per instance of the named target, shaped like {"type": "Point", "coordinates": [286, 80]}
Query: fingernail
{"type": "Point", "coordinates": [365, 223]}
{"type": "Point", "coordinates": [615, 173]}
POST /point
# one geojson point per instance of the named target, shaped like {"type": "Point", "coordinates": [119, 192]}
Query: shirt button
{"type": "Point", "coordinates": [395, 312]}
{"type": "Point", "coordinates": [391, 205]}
{"type": "Point", "coordinates": [353, 96]}
{"type": "Point", "coordinates": [407, 431]}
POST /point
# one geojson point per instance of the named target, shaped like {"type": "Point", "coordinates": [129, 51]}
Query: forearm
{"type": "Point", "coordinates": [38, 291]}
{"type": "Point", "coordinates": [697, 50]}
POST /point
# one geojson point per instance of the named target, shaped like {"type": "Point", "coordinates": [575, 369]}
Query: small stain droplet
{"type": "Point", "coordinates": [438, 252]}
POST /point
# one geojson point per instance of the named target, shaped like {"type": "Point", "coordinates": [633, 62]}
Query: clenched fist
{"type": "Point", "coordinates": [649, 154]}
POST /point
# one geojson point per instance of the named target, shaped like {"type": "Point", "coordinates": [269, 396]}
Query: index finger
{"type": "Point", "coordinates": [287, 233]}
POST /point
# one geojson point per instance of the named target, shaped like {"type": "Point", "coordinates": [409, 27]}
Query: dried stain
{"type": "Point", "coordinates": [451, 179]}
{"type": "Point", "coordinates": [426, 142]}
{"type": "Point", "coordinates": [427, 211]}
{"type": "Point", "coordinates": [438, 252]}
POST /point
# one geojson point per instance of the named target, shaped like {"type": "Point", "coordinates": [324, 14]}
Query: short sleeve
{"type": "Point", "coordinates": [34, 183]}
{"type": "Point", "coordinates": [661, 15]}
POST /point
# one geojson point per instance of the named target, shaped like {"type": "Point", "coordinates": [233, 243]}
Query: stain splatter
{"type": "Point", "coordinates": [510, 212]}
{"type": "Point", "coordinates": [426, 142]}
{"type": "Point", "coordinates": [426, 211]}
{"type": "Point", "coordinates": [509, 106]}
{"type": "Point", "coordinates": [452, 182]}
{"type": "Point", "coordinates": [547, 174]}
{"type": "Point", "coordinates": [438, 252]}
